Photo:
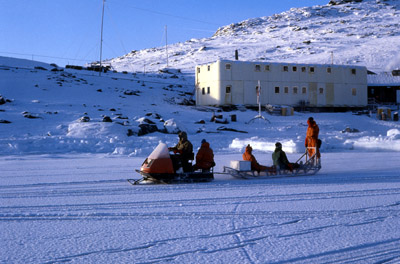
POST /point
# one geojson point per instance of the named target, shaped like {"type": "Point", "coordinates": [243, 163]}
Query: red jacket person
{"type": "Point", "coordinates": [311, 136]}
{"type": "Point", "coordinates": [204, 157]}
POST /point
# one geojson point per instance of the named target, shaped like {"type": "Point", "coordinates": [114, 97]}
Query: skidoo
{"type": "Point", "coordinates": [305, 166]}
{"type": "Point", "coordinates": [158, 167]}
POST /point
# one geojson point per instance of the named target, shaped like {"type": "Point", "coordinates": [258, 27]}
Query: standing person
{"type": "Point", "coordinates": [280, 159]}
{"type": "Point", "coordinates": [311, 136]}
{"type": "Point", "coordinates": [204, 157]}
{"type": "Point", "coordinates": [247, 155]}
{"type": "Point", "coordinates": [184, 151]}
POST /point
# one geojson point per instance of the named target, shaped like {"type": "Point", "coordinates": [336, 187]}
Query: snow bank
{"type": "Point", "coordinates": [256, 143]}
{"type": "Point", "coordinates": [14, 62]}
{"type": "Point", "coordinates": [111, 131]}
{"type": "Point", "coordinates": [390, 142]}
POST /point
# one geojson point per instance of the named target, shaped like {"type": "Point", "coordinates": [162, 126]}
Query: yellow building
{"type": "Point", "coordinates": [227, 82]}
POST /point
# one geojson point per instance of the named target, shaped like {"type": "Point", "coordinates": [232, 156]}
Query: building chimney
{"type": "Point", "coordinates": [236, 55]}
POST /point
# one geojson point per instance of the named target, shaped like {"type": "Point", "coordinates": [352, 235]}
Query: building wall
{"type": "Point", "coordinates": [281, 83]}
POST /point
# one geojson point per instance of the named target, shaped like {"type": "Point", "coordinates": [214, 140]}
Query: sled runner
{"type": "Point", "coordinates": [306, 166]}
{"type": "Point", "coordinates": [158, 168]}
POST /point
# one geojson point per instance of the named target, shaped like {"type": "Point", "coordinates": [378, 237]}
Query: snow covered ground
{"type": "Point", "coordinates": [63, 190]}
{"type": "Point", "coordinates": [64, 195]}
{"type": "Point", "coordinates": [45, 108]}
{"type": "Point", "coordinates": [81, 209]}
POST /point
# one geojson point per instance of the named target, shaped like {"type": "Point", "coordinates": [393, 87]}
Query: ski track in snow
{"type": "Point", "coordinates": [97, 217]}
{"type": "Point", "coordinates": [79, 208]}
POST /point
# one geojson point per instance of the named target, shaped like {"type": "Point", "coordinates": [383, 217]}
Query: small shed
{"type": "Point", "coordinates": [384, 88]}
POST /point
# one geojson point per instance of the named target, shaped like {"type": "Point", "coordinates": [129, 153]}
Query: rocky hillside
{"type": "Point", "coordinates": [343, 31]}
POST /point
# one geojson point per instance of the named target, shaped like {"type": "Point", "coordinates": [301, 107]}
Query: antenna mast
{"type": "Point", "coordinates": [101, 39]}
{"type": "Point", "coordinates": [166, 43]}
{"type": "Point", "coordinates": [259, 116]}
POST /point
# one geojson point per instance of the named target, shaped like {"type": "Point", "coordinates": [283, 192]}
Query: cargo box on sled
{"type": "Point", "coordinates": [306, 166]}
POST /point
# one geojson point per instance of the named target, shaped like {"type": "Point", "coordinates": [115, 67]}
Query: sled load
{"type": "Point", "coordinates": [162, 167]}
{"type": "Point", "coordinates": [305, 165]}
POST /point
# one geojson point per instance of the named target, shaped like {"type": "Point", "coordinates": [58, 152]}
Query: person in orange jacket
{"type": "Point", "coordinates": [247, 155]}
{"type": "Point", "coordinates": [311, 136]}
{"type": "Point", "coordinates": [204, 157]}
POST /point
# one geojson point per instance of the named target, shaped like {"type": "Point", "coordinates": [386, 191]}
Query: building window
{"type": "Point", "coordinates": [257, 68]}
{"type": "Point", "coordinates": [285, 68]}
{"type": "Point", "coordinates": [295, 90]}
{"type": "Point", "coordinates": [329, 70]}
{"type": "Point", "coordinates": [198, 69]}
{"type": "Point", "coordinates": [228, 66]}
{"type": "Point", "coordinates": [277, 89]}
{"type": "Point", "coordinates": [312, 69]}
{"type": "Point", "coordinates": [228, 89]}
{"type": "Point", "coordinates": [294, 68]}
{"type": "Point", "coordinates": [353, 71]}
{"type": "Point", "coordinates": [354, 91]}
{"type": "Point", "coordinates": [208, 90]}
{"type": "Point", "coordinates": [286, 90]}
{"type": "Point", "coordinates": [208, 68]}
{"type": "Point", "coordinates": [304, 90]}
{"type": "Point", "coordinates": [303, 69]}
{"type": "Point", "coordinates": [266, 68]}
{"type": "Point", "coordinates": [203, 91]}
{"type": "Point", "coordinates": [321, 90]}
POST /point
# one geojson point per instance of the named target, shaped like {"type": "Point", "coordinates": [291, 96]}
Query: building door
{"type": "Point", "coordinates": [313, 96]}
{"type": "Point", "coordinates": [228, 95]}
{"type": "Point", "coordinates": [330, 94]}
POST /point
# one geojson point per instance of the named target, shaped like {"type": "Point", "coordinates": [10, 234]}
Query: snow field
{"type": "Point", "coordinates": [63, 190]}
{"type": "Point", "coordinates": [81, 209]}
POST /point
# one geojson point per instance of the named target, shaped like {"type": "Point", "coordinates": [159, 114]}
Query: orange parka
{"type": "Point", "coordinates": [311, 136]}
{"type": "Point", "coordinates": [247, 155]}
{"type": "Point", "coordinates": [205, 157]}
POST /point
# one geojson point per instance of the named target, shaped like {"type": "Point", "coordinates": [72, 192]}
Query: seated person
{"type": "Point", "coordinates": [280, 159]}
{"type": "Point", "coordinates": [184, 151]}
{"type": "Point", "coordinates": [204, 157]}
{"type": "Point", "coordinates": [247, 155]}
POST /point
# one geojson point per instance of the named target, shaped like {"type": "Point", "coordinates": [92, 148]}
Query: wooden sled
{"type": "Point", "coordinates": [307, 166]}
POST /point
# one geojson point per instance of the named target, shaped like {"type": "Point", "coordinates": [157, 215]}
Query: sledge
{"type": "Point", "coordinates": [306, 166]}
{"type": "Point", "coordinates": [158, 168]}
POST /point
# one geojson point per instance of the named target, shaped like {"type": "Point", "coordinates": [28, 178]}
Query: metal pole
{"type": "Point", "coordinates": [166, 43]}
{"type": "Point", "coordinates": [259, 98]}
{"type": "Point", "coordinates": [101, 39]}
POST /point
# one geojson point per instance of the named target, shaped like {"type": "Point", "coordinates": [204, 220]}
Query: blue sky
{"type": "Point", "coordinates": [68, 31]}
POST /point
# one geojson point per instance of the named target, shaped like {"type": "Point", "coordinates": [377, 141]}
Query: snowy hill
{"type": "Point", "coordinates": [358, 32]}
{"type": "Point", "coordinates": [49, 110]}
{"type": "Point", "coordinates": [69, 139]}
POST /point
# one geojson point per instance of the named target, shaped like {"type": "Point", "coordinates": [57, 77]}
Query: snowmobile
{"type": "Point", "coordinates": [306, 165]}
{"type": "Point", "coordinates": [158, 167]}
